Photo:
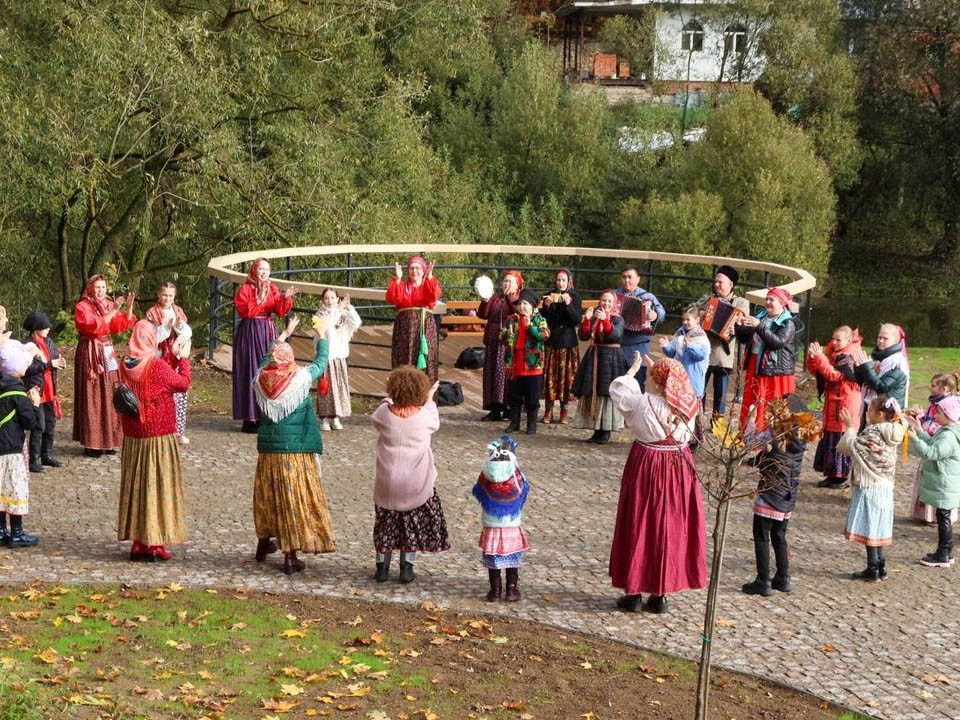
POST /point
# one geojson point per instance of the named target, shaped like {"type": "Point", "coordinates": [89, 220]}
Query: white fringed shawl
{"type": "Point", "coordinates": [287, 401]}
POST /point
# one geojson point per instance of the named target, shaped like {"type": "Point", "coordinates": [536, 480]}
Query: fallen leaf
{"type": "Point", "coordinates": [291, 689]}
{"type": "Point", "coordinates": [353, 623]}
{"type": "Point", "coordinates": [500, 640]}
{"type": "Point", "coordinates": [518, 705]}
{"type": "Point", "coordinates": [828, 648]}
{"type": "Point", "coordinates": [586, 665]}
{"type": "Point", "coordinates": [280, 706]}
{"type": "Point", "coordinates": [292, 633]}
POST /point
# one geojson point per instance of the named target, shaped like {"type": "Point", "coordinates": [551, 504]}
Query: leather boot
{"type": "Point", "coordinates": [36, 466]}
{"type": "Point", "coordinates": [514, 425]}
{"type": "Point", "coordinates": [292, 564]}
{"type": "Point", "coordinates": [383, 569]}
{"type": "Point", "coordinates": [603, 437]}
{"type": "Point", "coordinates": [781, 581]}
{"type": "Point", "coordinates": [760, 586]}
{"type": "Point", "coordinates": [407, 575]}
{"type": "Point", "coordinates": [18, 538]}
{"type": "Point", "coordinates": [629, 603]}
{"type": "Point", "coordinates": [656, 604]}
{"type": "Point", "coordinates": [882, 569]}
{"type": "Point", "coordinates": [265, 546]}
{"type": "Point", "coordinates": [4, 535]}
{"type": "Point", "coordinates": [941, 558]}
{"type": "Point", "coordinates": [532, 423]}
{"type": "Point", "coordinates": [513, 579]}
{"type": "Point", "coordinates": [496, 586]}
{"type": "Point", "coordinates": [870, 574]}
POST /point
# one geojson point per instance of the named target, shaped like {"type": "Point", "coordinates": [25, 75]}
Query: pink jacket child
{"type": "Point", "coordinates": [409, 516]}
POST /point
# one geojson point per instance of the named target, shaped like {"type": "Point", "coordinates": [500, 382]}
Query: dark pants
{"type": "Point", "coordinates": [875, 556]}
{"type": "Point", "coordinates": [41, 438]}
{"type": "Point", "coordinates": [644, 349]}
{"type": "Point", "coordinates": [721, 382]}
{"type": "Point", "coordinates": [944, 533]}
{"type": "Point", "coordinates": [767, 530]}
{"type": "Point", "coordinates": [524, 390]}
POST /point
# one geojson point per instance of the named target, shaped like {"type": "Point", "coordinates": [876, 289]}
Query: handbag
{"type": "Point", "coordinates": [470, 358]}
{"type": "Point", "coordinates": [449, 393]}
{"type": "Point", "coordinates": [124, 401]}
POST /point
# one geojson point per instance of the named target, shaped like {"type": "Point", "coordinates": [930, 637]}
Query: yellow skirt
{"type": "Point", "coordinates": [152, 508]}
{"type": "Point", "coordinates": [289, 504]}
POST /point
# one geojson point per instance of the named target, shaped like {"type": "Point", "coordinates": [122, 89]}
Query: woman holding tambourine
{"type": "Point", "coordinates": [495, 308]}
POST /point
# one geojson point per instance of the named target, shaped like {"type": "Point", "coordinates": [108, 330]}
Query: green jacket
{"type": "Point", "coordinates": [537, 333]}
{"type": "Point", "coordinates": [298, 432]}
{"type": "Point", "coordinates": [892, 383]}
{"type": "Point", "coordinates": [940, 472]}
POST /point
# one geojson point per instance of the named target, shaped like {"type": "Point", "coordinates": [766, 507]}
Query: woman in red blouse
{"type": "Point", "coordinates": [95, 423]}
{"type": "Point", "coordinates": [415, 338]}
{"type": "Point", "coordinates": [255, 301]}
{"type": "Point", "coordinates": [152, 510]}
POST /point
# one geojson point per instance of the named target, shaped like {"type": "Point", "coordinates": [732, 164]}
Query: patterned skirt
{"type": "Point", "coordinates": [96, 424]}
{"type": "Point", "coordinates": [870, 516]}
{"type": "Point", "coordinates": [289, 503]}
{"type": "Point", "coordinates": [494, 377]}
{"type": "Point", "coordinates": [152, 507]}
{"type": "Point", "coordinates": [659, 539]}
{"type": "Point", "coordinates": [14, 484]}
{"type": "Point", "coordinates": [250, 343]}
{"type": "Point", "coordinates": [559, 370]}
{"type": "Point", "coordinates": [406, 341]}
{"type": "Point", "coordinates": [336, 402]}
{"type": "Point", "coordinates": [423, 529]}
{"type": "Point", "coordinates": [607, 417]}
{"type": "Point", "coordinates": [827, 460]}
{"type": "Point", "coordinates": [503, 547]}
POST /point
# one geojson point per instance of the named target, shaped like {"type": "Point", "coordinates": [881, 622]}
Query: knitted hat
{"type": "Point", "coordinates": [530, 296]}
{"type": "Point", "coordinates": [729, 272]}
{"type": "Point", "coordinates": [951, 407]}
{"type": "Point", "coordinates": [35, 321]}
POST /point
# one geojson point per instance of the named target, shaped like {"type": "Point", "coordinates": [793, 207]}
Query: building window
{"type": "Point", "coordinates": [691, 37]}
{"type": "Point", "coordinates": [735, 39]}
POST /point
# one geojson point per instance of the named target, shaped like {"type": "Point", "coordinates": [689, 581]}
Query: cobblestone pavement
{"type": "Point", "coordinates": [890, 649]}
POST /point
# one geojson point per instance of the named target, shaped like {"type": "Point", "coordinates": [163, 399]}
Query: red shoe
{"type": "Point", "coordinates": [159, 552]}
{"type": "Point", "coordinates": [564, 416]}
{"type": "Point", "coordinates": [548, 416]}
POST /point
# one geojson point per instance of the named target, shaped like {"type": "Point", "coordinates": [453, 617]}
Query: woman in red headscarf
{"type": "Point", "coordinates": [174, 336]}
{"type": "Point", "coordinates": [152, 512]}
{"type": "Point", "coordinates": [415, 338]}
{"type": "Point", "coordinates": [769, 358]}
{"type": "Point", "coordinates": [255, 301]}
{"type": "Point", "coordinates": [495, 311]}
{"type": "Point", "coordinates": [96, 424]}
{"type": "Point", "coordinates": [562, 311]}
{"type": "Point", "coordinates": [659, 541]}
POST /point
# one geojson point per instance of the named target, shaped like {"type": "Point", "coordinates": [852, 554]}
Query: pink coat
{"type": "Point", "coordinates": [405, 469]}
{"type": "Point", "coordinates": [839, 391]}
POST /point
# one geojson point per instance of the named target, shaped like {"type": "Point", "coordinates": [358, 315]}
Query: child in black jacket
{"type": "Point", "coordinates": [791, 426]}
{"type": "Point", "coordinates": [42, 374]}
{"type": "Point", "coordinates": [19, 412]}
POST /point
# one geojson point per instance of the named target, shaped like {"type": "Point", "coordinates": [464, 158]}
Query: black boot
{"type": "Point", "coordinates": [760, 586]}
{"type": "Point", "coordinates": [18, 538]}
{"type": "Point", "coordinates": [629, 603]}
{"type": "Point", "coordinates": [265, 546]}
{"type": "Point", "coordinates": [514, 425]}
{"type": "Point", "coordinates": [656, 604]}
{"type": "Point", "coordinates": [882, 569]}
{"type": "Point", "coordinates": [532, 423]}
{"type": "Point", "coordinates": [50, 461]}
{"type": "Point", "coordinates": [383, 569]}
{"type": "Point", "coordinates": [603, 437]}
{"type": "Point", "coordinates": [496, 413]}
{"type": "Point", "coordinates": [781, 580]}
{"type": "Point", "coordinates": [36, 466]}
{"type": "Point", "coordinates": [4, 535]}
{"type": "Point", "coordinates": [513, 579]}
{"type": "Point", "coordinates": [943, 557]}
{"type": "Point", "coordinates": [496, 586]}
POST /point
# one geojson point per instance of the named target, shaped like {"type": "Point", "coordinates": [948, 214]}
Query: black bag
{"type": "Point", "coordinates": [471, 359]}
{"type": "Point", "coordinates": [449, 394]}
{"type": "Point", "coordinates": [124, 401]}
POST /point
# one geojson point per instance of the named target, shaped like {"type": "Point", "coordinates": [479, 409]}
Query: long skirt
{"type": "Point", "coordinates": [827, 460]}
{"type": "Point", "coordinates": [920, 510]}
{"type": "Point", "coordinates": [250, 343]}
{"type": "Point", "coordinates": [406, 341]}
{"type": "Point", "coordinates": [96, 424]}
{"type": "Point", "coordinates": [423, 529]}
{"type": "Point", "coordinates": [336, 401]}
{"type": "Point", "coordinates": [659, 541]}
{"type": "Point", "coordinates": [758, 390]}
{"type": "Point", "coordinates": [559, 370]}
{"type": "Point", "coordinates": [289, 503]}
{"type": "Point", "coordinates": [494, 377]}
{"type": "Point", "coordinates": [14, 485]}
{"type": "Point", "coordinates": [606, 418]}
{"type": "Point", "coordinates": [152, 507]}
{"type": "Point", "coordinates": [870, 516]}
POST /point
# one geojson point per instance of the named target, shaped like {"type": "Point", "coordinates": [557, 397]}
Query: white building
{"type": "Point", "coordinates": [696, 41]}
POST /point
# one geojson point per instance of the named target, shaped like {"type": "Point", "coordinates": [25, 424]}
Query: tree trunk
{"type": "Point", "coordinates": [713, 587]}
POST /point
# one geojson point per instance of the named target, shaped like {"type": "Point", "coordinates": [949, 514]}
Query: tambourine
{"type": "Point", "coordinates": [483, 286]}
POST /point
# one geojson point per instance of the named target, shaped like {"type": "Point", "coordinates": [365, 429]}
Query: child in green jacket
{"type": "Point", "coordinates": [940, 474]}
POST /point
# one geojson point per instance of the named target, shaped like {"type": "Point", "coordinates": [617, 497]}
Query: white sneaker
{"type": "Point", "coordinates": [337, 425]}
{"type": "Point", "coordinates": [325, 425]}
{"type": "Point", "coordinates": [184, 440]}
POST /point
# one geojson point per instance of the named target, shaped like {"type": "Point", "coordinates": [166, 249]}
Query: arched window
{"type": "Point", "coordinates": [735, 39]}
{"type": "Point", "coordinates": [691, 37]}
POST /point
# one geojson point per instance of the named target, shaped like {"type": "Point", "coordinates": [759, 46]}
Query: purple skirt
{"type": "Point", "coordinates": [251, 340]}
{"type": "Point", "coordinates": [827, 460]}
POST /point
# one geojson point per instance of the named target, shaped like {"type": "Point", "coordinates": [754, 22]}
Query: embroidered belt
{"type": "Point", "coordinates": [672, 448]}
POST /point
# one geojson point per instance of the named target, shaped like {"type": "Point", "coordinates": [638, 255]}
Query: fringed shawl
{"type": "Point", "coordinates": [872, 469]}
{"type": "Point", "coordinates": [287, 401]}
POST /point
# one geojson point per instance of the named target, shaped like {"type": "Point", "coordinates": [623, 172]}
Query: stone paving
{"type": "Point", "coordinates": [890, 650]}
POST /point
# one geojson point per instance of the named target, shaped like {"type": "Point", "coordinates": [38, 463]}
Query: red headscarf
{"type": "Point", "coordinates": [516, 276]}
{"type": "Point", "coordinates": [677, 390]}
{"type": "Point", "coordinates": [141, 352]}
{"type": "Point", "coordinates": [88, 293]}
{"type": "Point", "coordinates": [252, 272]}
{"type": "Point", "coordinates": [279, 371]}
{"type": "Point", "coordinates": [417, 260]}
{"type": "Point", "coordinates": [780, 294]}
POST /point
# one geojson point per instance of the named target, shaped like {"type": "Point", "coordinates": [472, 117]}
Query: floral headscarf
{"type": "Point", "coordinates": [677, 390]}
{"type": "Point", "coordinates": [141, 352]}
{"type": "Point", "coordinates": [780, 294]}
{"type": "Point", "coordinates": [278, 371]}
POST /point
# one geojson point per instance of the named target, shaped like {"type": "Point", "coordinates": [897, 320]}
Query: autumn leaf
{"type": "Point", "coordinates": [356, 621]}
{"type": "Point", "coordinates": [291, 689]}
{"type": "Point", "coordinates": [409, 653]}
{"type": "Point", "coordinates": [499, 640]}
{"type": "Point", "coordinates": [586, 665]}
{"type": "Point", "coordinates": [279, 706]}
{"type": "Point", "coordinates": [828, 648]}
{"type": "Point", "coordinates": [293, 633]}
{"type": "Point", "coordinates": [518, 705]}
{"type": "Point", "coordinates": [377, 715]}
{"type": "Point", "coordinates": [48, 656]}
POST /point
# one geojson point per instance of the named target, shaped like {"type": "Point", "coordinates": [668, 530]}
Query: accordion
{"type": "Point", "coordinates": [719, 317]}
{"type": "Point", "coordinates": [635, 312]}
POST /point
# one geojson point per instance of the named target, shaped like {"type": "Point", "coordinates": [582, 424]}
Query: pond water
{"type": "Point", "coordinates": [928, 323]}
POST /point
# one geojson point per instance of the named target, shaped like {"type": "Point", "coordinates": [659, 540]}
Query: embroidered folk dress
{"type": "Point", "coordinates": [870, 514]}
{"type": "Point", "coordinates": [502, 539]}
{"type": "Point", "coordinates": [413, 304]}
{"type": "Point", "coordinates": [335, 402]}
